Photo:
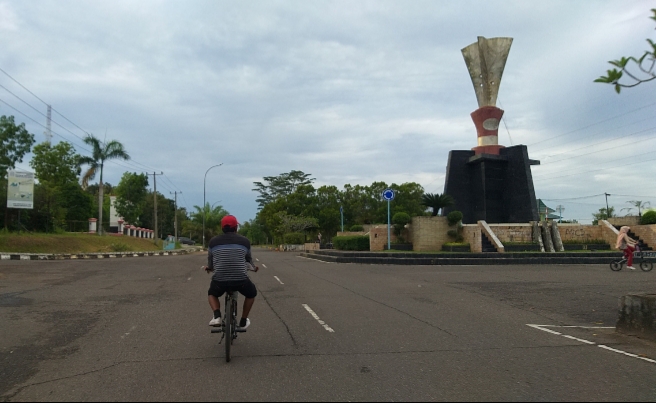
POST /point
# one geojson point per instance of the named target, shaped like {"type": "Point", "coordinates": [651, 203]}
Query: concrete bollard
{"type": "Point", "coordinates": [637, 315]}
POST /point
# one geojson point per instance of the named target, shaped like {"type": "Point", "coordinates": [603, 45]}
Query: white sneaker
{"type": "Point", "coordinates": [215, 322]}
{"type": "Point", "coordinates": [248, 323]}
{"type": "Point", "coordinates": [630, 267]}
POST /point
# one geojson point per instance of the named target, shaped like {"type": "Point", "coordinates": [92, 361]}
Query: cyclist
{"type": "Point", "coordinates": [626, 244]}
{"type": "Point", "coordinates": [228, 257]}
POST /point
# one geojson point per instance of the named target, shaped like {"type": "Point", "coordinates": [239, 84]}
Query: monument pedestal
{"type": "Point", "coordinates": [490, 187]}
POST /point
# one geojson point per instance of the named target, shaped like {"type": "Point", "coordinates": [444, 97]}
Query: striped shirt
{"type": "Point", "coordinates": [227, 255]}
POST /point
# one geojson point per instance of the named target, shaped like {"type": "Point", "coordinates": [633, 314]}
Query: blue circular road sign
{"type": "Point", "coordinates": [388, 194]}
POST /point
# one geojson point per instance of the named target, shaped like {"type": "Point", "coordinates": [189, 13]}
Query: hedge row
{"type": "Point", "coordinates": [294, 238]}
{"type": "Point", "coordinates": [355, 242]}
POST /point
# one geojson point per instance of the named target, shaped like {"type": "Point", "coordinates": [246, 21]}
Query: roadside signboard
{"type": "Point", "coordinates": [20, 189]}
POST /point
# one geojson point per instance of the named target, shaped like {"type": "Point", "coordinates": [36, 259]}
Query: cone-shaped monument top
{"type": "Point", "coordinates": [486, 60]}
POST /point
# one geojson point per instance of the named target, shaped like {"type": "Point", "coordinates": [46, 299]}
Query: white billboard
{"type": "Point", "coordinates": [20, 189]}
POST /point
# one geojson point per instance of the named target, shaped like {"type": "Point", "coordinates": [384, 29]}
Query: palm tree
{"type": "Point", "coordinates": [437, 201]}
{"type": "Point", "coordinates": [639, 204]}
{"type": "Point", "coordinates": [101, 152]}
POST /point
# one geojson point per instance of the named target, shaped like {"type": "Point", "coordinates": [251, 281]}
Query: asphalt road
{"type": "Point", "coordinates": [135, 329]}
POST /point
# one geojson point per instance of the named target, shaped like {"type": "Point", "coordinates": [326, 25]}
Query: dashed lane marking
{"type": "Point", "coordinates": [315, 316]}
{"type": "Point", "coordinates": [542, 327]}
{"type": "Point", "coordinates": [276, 277]}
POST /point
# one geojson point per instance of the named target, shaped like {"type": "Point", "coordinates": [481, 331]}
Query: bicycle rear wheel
{"type": "Point", "coordinates": [646, 266]}
{"type": "Point", "coordinates": [228, 327]}
{"type": "Point", "coordinates": [616, 265]}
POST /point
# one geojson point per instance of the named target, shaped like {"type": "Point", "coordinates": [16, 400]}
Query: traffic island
{"type": "Point", "coordinates": [637, 316]}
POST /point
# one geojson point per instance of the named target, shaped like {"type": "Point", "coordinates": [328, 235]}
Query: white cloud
{"type": "Point", "coordinates": [349, 92]}
{"type": "Point", "coordinates": [8, 19]}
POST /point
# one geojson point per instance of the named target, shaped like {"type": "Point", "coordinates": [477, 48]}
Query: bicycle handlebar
{"type": "Point", "coordinates": [252, 268]}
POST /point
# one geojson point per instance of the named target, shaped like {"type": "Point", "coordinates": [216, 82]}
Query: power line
{"type": "Point", "coordinates": [593, 124]}
{"type": "Point", "coordinates": [601, 142]}
{"type": "Point", "coordinates": [17, 110]}
{"type": "Point", "coordinates": [600, 169]}
{"type": "Point", "coordinates": [59, 113]}
{"type": "Point", "coordinates": [575, 198]}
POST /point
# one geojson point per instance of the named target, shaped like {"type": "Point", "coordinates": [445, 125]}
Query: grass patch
{"type": "Point", "coordinates": [73, 243]}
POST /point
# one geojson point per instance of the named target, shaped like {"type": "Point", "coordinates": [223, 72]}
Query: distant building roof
{"type": "Point", "coordinates": [543, 207]}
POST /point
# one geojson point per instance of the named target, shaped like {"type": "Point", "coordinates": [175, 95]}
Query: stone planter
{"type": "Point", "coordinates": [456, 248]}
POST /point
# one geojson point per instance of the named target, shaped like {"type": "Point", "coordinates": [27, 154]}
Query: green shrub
{"type": "Point", "coordinates": [354, 242]}
{"type": "Point", "coordinates": [454, 217]}
{"type": "Point", "coordinates": [648, 218]}
{"type": "Point", "coordinates": [294, 238]}
{"type": "Point", "coordinates": [357, 228]}
{"type": "Point", "coordinates": [400, 220]}
{"type": "Point", "coordinates": [452, 233]}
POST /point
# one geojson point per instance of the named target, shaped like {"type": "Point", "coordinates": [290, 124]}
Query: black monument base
{"type": "Point", "coordinates": [494, 188]}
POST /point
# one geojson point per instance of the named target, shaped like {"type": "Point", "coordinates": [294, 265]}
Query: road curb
{"type": "Point", "coordinates": [461, 258]}
{"type": "Point", "coordinates": [110, 255]}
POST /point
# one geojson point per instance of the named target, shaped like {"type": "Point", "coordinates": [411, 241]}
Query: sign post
{"type": "Point", "coordinates": [341, 213]}
{"type": "Point", "coordinates": [388, 194]}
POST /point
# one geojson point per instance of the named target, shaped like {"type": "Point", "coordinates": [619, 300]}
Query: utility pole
{"type": "Point", "coordinates": [560, 209]}
{"type": "Point", "coordinates": [155, 198]}
{"type": "Point", "coordinates": [607, 212]}
{"type": "Point", "coordinates": [175, 221]}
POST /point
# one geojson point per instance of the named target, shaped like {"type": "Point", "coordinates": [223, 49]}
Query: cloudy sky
{"type": "Point", "coordinates": [350, 92]}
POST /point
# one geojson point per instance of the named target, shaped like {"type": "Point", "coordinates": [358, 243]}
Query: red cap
{"type": "Point", "coordinates": [230, 221]}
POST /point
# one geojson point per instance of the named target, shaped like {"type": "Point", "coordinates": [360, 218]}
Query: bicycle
{"type": "Point", "coordinates": [229, 323]}
{"type": "Point", "coordinates": [640, 256]}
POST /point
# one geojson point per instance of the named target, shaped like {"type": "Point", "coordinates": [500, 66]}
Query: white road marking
{"type": "Point", "coordinates": [625, 353]}
{"type": "Point", "coordinates": [315, 316]}
{"type": "Point", "coordinates": [316, 260]}
{"type": "Point", "coordinates": [257, 259]}
{"type": "Point", "coordinates": [189, 279]}
{"type": "Point", "coordinates": [264, 266]}
{"type": "Point", "coordinates": [542, 327]}
{"type": "Point", "coordinates": [276, 277]}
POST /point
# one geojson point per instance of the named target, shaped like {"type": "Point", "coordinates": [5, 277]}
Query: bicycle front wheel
{"type": "Point", "coordinates": [616, 266]}
{"type": "Point", "coordinates": [646, 266]}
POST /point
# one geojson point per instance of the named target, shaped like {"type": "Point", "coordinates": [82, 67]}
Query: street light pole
{"type": "Point", "coordinates": [607, 212]}
{"type": "Point", "coordinates": [204, 180]}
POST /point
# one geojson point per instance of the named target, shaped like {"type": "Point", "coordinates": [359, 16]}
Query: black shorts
{"type": "Point", "coordinates": [247, 288]}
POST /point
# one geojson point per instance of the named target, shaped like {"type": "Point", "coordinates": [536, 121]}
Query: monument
{"type": "Point", "coordinates": [490, 182]}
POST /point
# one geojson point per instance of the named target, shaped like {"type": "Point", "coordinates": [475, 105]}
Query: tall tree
{"type": "Point", "coordinates": [15, 142]}
{"type": "Point", "coordinates": [58, 164]}
{"type": "Point", "coordinates": [643, 70]}
{"type": "Point", "coordinates": [639, 204]}
{"type": "Point", "coordinates": [437, 201]}
{"type": "Point", "coordinates": [101, 152]}
{"type": "Point", "coordinates": [212, 216]}
{"type": "Point", "coordinates": [276, 186]}
{"type": "Point", "coordinates": [56, 167]}
{"type": "Point", "coordinates": [131, 193]}
{"type": "Point", "coordinates": [603, 214]}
